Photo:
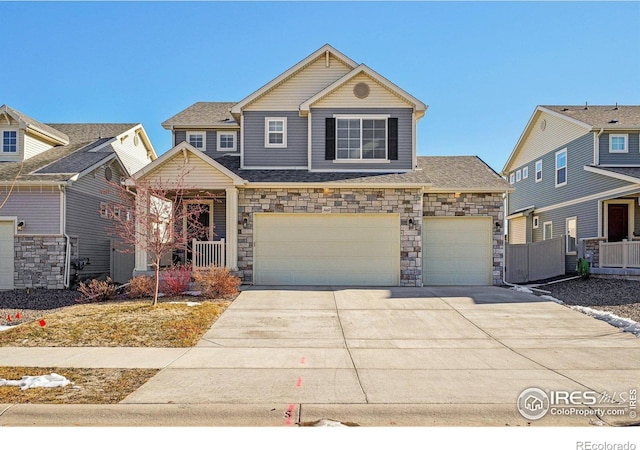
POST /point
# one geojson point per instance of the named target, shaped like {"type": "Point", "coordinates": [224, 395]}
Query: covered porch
{"type": "Point", "coordinates": [207, 187]}
{"type": "Point", "coordinates": [616, 250]}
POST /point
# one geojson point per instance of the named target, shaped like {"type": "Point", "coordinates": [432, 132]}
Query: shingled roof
{"type": "Point", "coordinates": [203, 115]}
{"type": "Point", "coordinates": [450, 173]}
{"type": "Point", "coordinates": [598, 116]}
{"type": "Point", "coordinates": [62, 162]}
{"type": "Point", "coordinates": [32, 123]}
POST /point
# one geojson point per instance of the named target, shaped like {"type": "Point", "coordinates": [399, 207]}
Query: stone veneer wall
{"type": "Point", "coordinates": [474, 204]}
{"type": "Point", "coordinates": [406, 202]}
{"type": "Point", "coordinates": [39, 262]}
{"type": "Point", "coordinates": [593, 245]}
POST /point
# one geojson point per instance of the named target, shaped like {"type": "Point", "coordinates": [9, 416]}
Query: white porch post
{"type": "Point", "coordinates": [232, 228]}
{"type": "Point", "coordinates": [142, 205]}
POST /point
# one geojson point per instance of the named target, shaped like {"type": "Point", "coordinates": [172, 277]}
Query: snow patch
{"type": "Point", "coordinates": [628, 325]}
{"type": "Point", "coordinates": [5, 327]}
{"type": "Point", "coordinates": [186, 303]}
{"type": "Point", "coordinates": [46, 381]}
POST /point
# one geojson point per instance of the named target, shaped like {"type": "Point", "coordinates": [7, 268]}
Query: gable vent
{"type": "Point", "coordinates": [361, 90]}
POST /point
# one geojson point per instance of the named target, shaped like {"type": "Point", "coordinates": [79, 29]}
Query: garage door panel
{"type": "Point", "coordinates": [457, 250]}
{"type": "Point", "coordinates": [339, 249]}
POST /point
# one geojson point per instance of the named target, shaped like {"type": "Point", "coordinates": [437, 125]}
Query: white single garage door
{"type": "Point", "coordinates": [7, 254]}
{"type": "Point", "coordinates": [457, 250]}
{"type": "Point", "coordinates": [327, 249]}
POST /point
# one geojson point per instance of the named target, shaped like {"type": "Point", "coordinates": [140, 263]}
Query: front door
{"type": "Point", "coordinates": [204, 229]}
{"type": "Point", "coordinates": [618, 222]}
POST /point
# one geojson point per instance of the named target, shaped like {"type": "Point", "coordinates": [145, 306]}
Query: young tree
{"type": "Point", "coordinates": [161, 221]}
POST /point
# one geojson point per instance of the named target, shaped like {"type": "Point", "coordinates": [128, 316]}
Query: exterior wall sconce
{"type": "Point", "coordinates": [245, 222]}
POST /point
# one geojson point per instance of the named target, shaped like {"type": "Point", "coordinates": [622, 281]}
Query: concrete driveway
{"type": "Point", "coordinates": [396, 356]}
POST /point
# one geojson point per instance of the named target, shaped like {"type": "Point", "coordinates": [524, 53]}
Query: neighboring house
{"type": "Point", "coordinates": [317, 181]}
{"type": "Point", "coordinates": [54, 178]}
{"type": "Point", "coordinates": [576, 174]}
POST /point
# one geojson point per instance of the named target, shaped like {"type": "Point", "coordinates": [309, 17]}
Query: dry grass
{"type": "Point", "coordinates": [119, 324]}
{"type": "Point", "coordinates": [92, 386]}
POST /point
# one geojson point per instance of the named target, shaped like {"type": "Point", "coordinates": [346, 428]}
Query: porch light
{"type": "Point", "coordinates": [245, 222]}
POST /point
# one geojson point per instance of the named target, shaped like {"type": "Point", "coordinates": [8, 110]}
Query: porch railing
{"type": "Point", "coordinates": [620, 254]}
{"type": "Point", "coordinates": [208, 253]}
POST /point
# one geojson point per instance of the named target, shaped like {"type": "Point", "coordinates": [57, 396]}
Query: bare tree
{"type": "Point", "coordinates": [165, 218]}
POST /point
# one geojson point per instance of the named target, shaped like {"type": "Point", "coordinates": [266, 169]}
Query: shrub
{"type": "Point", "coordinates": [216, 282]}
{"type": "Point", "coordinates": [97, 290]}
{"type": "Point", "coordinates": [141, 286]}
{"type": "Point", "coordinates": [582, 266]}
{"type": "Point", "coordinates": [175, 280]}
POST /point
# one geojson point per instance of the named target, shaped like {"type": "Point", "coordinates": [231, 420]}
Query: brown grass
{"type": "Point", "coordinates": [119, 324]}
{"type": "Point", "coordinates": [92, 386]}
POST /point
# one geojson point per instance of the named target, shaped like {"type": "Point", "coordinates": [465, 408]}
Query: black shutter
{"type": "Point", "coordinates": [392, 138]}
{"type": "Point", "coordinates": [330, 139]}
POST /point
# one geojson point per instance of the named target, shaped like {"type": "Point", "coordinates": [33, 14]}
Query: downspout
{"type": "Point", "coordinates": [596, 147]}
{"type": "Point", "coordinates": [63, 225]}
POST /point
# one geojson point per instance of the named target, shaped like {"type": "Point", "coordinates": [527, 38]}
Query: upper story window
{"type": "Point", "coordinates": [226, 141]}
{"type": "Point", "coordinates": [538, 171]}
{"type": "Point", "coordinates": [518, 175]}
{"type": "Point", "coordinates": [275, 132]}
{"type": "Point", "coordinates": [525, 172]}
{"type": "Point", "coordinates": [512, 178]}
{"type": "Point", "coordinates": [561, 168]}
{"type": "Point", "coordinates": [9, 141]}
{"type": "Point", "coordinates": [361, 138]}
{"type": "Point", "coordinates": [198, 139]}
{"type": "Point", "coordinates": [618, 143]}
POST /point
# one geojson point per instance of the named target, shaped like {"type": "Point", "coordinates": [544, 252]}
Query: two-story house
{"type": "Point", "coordinates": [317, 181]}
{"type": "Point", "coordinates": [54, 180]}
{"type": "Point", "coordinates": [576, 174]}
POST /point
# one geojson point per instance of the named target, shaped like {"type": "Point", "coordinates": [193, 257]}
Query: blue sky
{"type": "Point", "coordinates": [482, 67]}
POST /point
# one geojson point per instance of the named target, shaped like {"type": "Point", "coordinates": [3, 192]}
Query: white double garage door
{"type": "Point", "coordinates": [364, 250]}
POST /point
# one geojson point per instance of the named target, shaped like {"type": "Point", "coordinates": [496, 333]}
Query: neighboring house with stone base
{"type": "Point", "coordinates": [317, 181]}
{"type": "Point", "coordinates": [53, 180]}
{"type": "Point", "coordinates": [576, 174]}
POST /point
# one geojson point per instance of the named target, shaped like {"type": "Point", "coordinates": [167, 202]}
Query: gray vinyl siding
{"type": "Point", "coordinates": [211, 145]}
{"type": "Point", "coordinates": [580, 183]}
{"type": "Point", "coordinates": [84, 220]}
{"type": "Point", "coordinates": [257, 155]}
{"type": "Point", "coordinates": [38, 207]}
{"type": "Point", "coordinates": [220, 219]}
{"type": "Point", "coordinates": [632, 157]}
{"type": "Point", "coordinates": [586, 214]}
{"type": "Point", "coordinates": [405, 145]}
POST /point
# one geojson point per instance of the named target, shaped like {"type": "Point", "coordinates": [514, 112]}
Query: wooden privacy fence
{"type": "Point", "coordinates": [534, 261]}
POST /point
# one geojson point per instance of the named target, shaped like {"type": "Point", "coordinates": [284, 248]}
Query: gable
{"type": "Point", "coordinates": [544, 133]}
{"type": "Point", "coordinates": [379, 96]}
{"type": "Point", "coordinates": [197, 173]}
{"type": "Point", "coordinates": [301, 85]}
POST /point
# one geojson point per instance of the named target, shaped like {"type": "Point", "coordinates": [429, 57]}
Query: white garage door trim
{"type": "Point", "coordinates": [343, 249]}
{"type": "Point", "coordinates": [457, 250]}
{"type": "Point", "coordinates": [7, 251]}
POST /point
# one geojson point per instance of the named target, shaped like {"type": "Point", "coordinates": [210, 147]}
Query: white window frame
{"type": "Point", "coordinates": [204, 139]}
{"type": "Point", "coordinates": [362, 117]}
{"type": "Point", "coordinates": [626, 143]}
{"type": "Point", "coordinates": [544, 230]}
{"type": "Point", "coordinates": [538, 171]}
{"type": "Point", "coordinates": [566, 240]}
{"type": "Point", "coordinates": [9, 130]}
{"type": "Point", "coordinates": [226, 133]}
{"type": "Point", "coordinates": [512, 178]}
{"type": "Point", "coordinates": [525, 172]}
{"type": "Point", "coordinates": [518, 175]}
{"type": "Point", "coordinates": [566, 165]}
{"type": "Point", "coordinates": [536, 222]}
{"type": "Point", "coordinates": [267, 133]}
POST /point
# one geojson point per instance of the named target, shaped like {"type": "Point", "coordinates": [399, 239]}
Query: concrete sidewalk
{"type": "Point", "coordinates": [397, 356]}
